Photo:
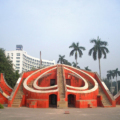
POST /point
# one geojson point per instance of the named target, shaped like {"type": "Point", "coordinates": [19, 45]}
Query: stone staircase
{"type": "Point", "coordinates": [105, 100]}
{"type": "Point", "coordinates": [62, 103]}
{"type": "Point", "coordinates": [18, 97]}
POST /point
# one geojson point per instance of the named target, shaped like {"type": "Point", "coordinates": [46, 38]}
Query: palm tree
{"type": "Point", "coordinates": [98, 50]}
{"type": "Point", "coordinates": [77, 50]}
{"type": "Point", "coordinates": [109, 75]}
{"type": "Point", "coordinates": [61, 59]}
{"type": "Point", "coordinates": [86, 68]}
{"type": "Point", "coordinates": [75, 65]}
{"type": "Point", "coordinates": [117, 73]}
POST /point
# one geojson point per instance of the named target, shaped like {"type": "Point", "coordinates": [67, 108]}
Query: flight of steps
{"type": "Point", "coordinates": [62, 103]}
{"type": "Point", "coordinates": [18, 97]}
{"type": "Point", "coordinates": [105, 101]}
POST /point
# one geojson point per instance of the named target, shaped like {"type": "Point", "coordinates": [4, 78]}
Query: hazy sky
{"type": "Point", "coordinates": [51, 26]}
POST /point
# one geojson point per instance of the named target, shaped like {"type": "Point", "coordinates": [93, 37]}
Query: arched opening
{"type": "Point", "coordinates": [53, 100]}
{"type": "Point", "coordinates": [71, 100]}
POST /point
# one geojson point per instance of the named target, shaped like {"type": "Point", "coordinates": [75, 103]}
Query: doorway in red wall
{"type": "Point", "coordinates": [52, 100]}
{"type": "Point", "coordinates": [71, 100]}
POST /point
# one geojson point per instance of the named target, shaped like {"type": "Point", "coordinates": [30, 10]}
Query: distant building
{"type": "Point", "coordinates": [24, 62]}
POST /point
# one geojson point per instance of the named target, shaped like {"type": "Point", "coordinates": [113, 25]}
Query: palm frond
{"type": "Point", "coordinates": [104, 53]}
{"type": "Point", "coordinates": [82, 48]}
{"type": "Point", "coordinates": [93, 41]}
{"type": "Point", "coordinates": [80, 53]}
{"type": "Point", "coordinates": [103, 43]}
{"type": "Point", "coordinates": [91, 50]}
{"type": "Point", "coordinates": [72, 52]}
{"type": "Point", "coordinates": [73, 45]}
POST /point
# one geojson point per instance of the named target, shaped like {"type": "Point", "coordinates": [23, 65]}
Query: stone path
{"type": "Point", "coordinates": [25, 113]}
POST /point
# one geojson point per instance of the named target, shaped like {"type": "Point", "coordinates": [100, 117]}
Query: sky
{"type": "Point", "coordinates": [51, 26]}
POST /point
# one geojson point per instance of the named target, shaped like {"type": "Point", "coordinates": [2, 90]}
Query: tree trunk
{"type": "Point", "coordinates": [111, 86]}
{"type": "Point", "coordinates": [76, 62]}
{"type": "Point", "coordinates": [76, 59]}
{"type": "Point", "coordinates": [116, 84]}
{"type": "Point", "coordinates": [99, 68]}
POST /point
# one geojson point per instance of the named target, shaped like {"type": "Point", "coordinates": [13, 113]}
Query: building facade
{"type": "Point", "coordinates": [24, 62]}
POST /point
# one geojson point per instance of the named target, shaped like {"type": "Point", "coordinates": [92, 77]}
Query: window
{"type": "Point", "coordinates": [11, 54]}
{"type": "Point", "coordinates": [17, 61]}
{"type": "Point", "coordinates": [17, 68]}
{"type": "Point", "coordinates": [11, 57]}
{"type": "Point", "coordinates": [17, 64]}
{"type": "Point", "coordinates": [17, 57]}
{"type": "Point", "coordinates": [18, 54]}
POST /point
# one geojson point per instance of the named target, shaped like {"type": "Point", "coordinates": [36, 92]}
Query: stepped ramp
{"type": "Point", "coordinates": [107, 98]}
{"type": "Point", "coordinates": [18, 98]}
{"type": "Point", "coordinates": [62, 103]}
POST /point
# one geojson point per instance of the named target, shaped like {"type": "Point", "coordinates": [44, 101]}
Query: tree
{"type": "Point", "coordinates": [110, 75]}
{"type": "Point", "coordinates": [86, 68]}
{"type": "Point", "coordinates": [75, 65]}
{"type": "Point", "coordinates": [6, 67]}
{"type": "Point", "coordinates": [98, 50]}
{"type": "Point", "coordinates": [117, 73]}
{"type": "Point", "coordinates": [61, 59]}
{"type": "Point", "coordinates": [77, 50]}
{"type": "Point", "coordinates": [67, 62]}
{"type": "Point", "coordinates": [33, 68]}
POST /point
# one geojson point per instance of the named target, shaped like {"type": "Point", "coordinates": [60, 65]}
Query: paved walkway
{"type": "Point", "coordinates": [25, 113]}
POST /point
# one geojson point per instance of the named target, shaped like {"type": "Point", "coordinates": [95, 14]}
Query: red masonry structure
{"type": "Point", "coordinates": [60, 86]}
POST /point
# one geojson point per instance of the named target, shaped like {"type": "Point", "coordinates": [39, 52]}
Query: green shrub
{"type": "Point", "coordinates": [1, 106]}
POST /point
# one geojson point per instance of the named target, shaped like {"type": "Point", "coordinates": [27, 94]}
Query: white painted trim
{"type": "Point", "coordinates": [5, 95]}
{"type": "Point", "coordinates": [87, 91]}
{"type": "Point", "coordinates": [104, 85]}
{"type": "Point", "coordinates": [78, 88]}
{"type": "Point", "coordinates": [19, 79]}
{"type": "Point", "coordinates": [117, 95]}
{"type": "Point", "coordinates": [36, 91]}
{"type": "Point", "coordinates": [35, 82]}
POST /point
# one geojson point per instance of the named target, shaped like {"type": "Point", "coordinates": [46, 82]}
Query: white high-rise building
{"type": "Point", "coordinates": [24, 62]}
